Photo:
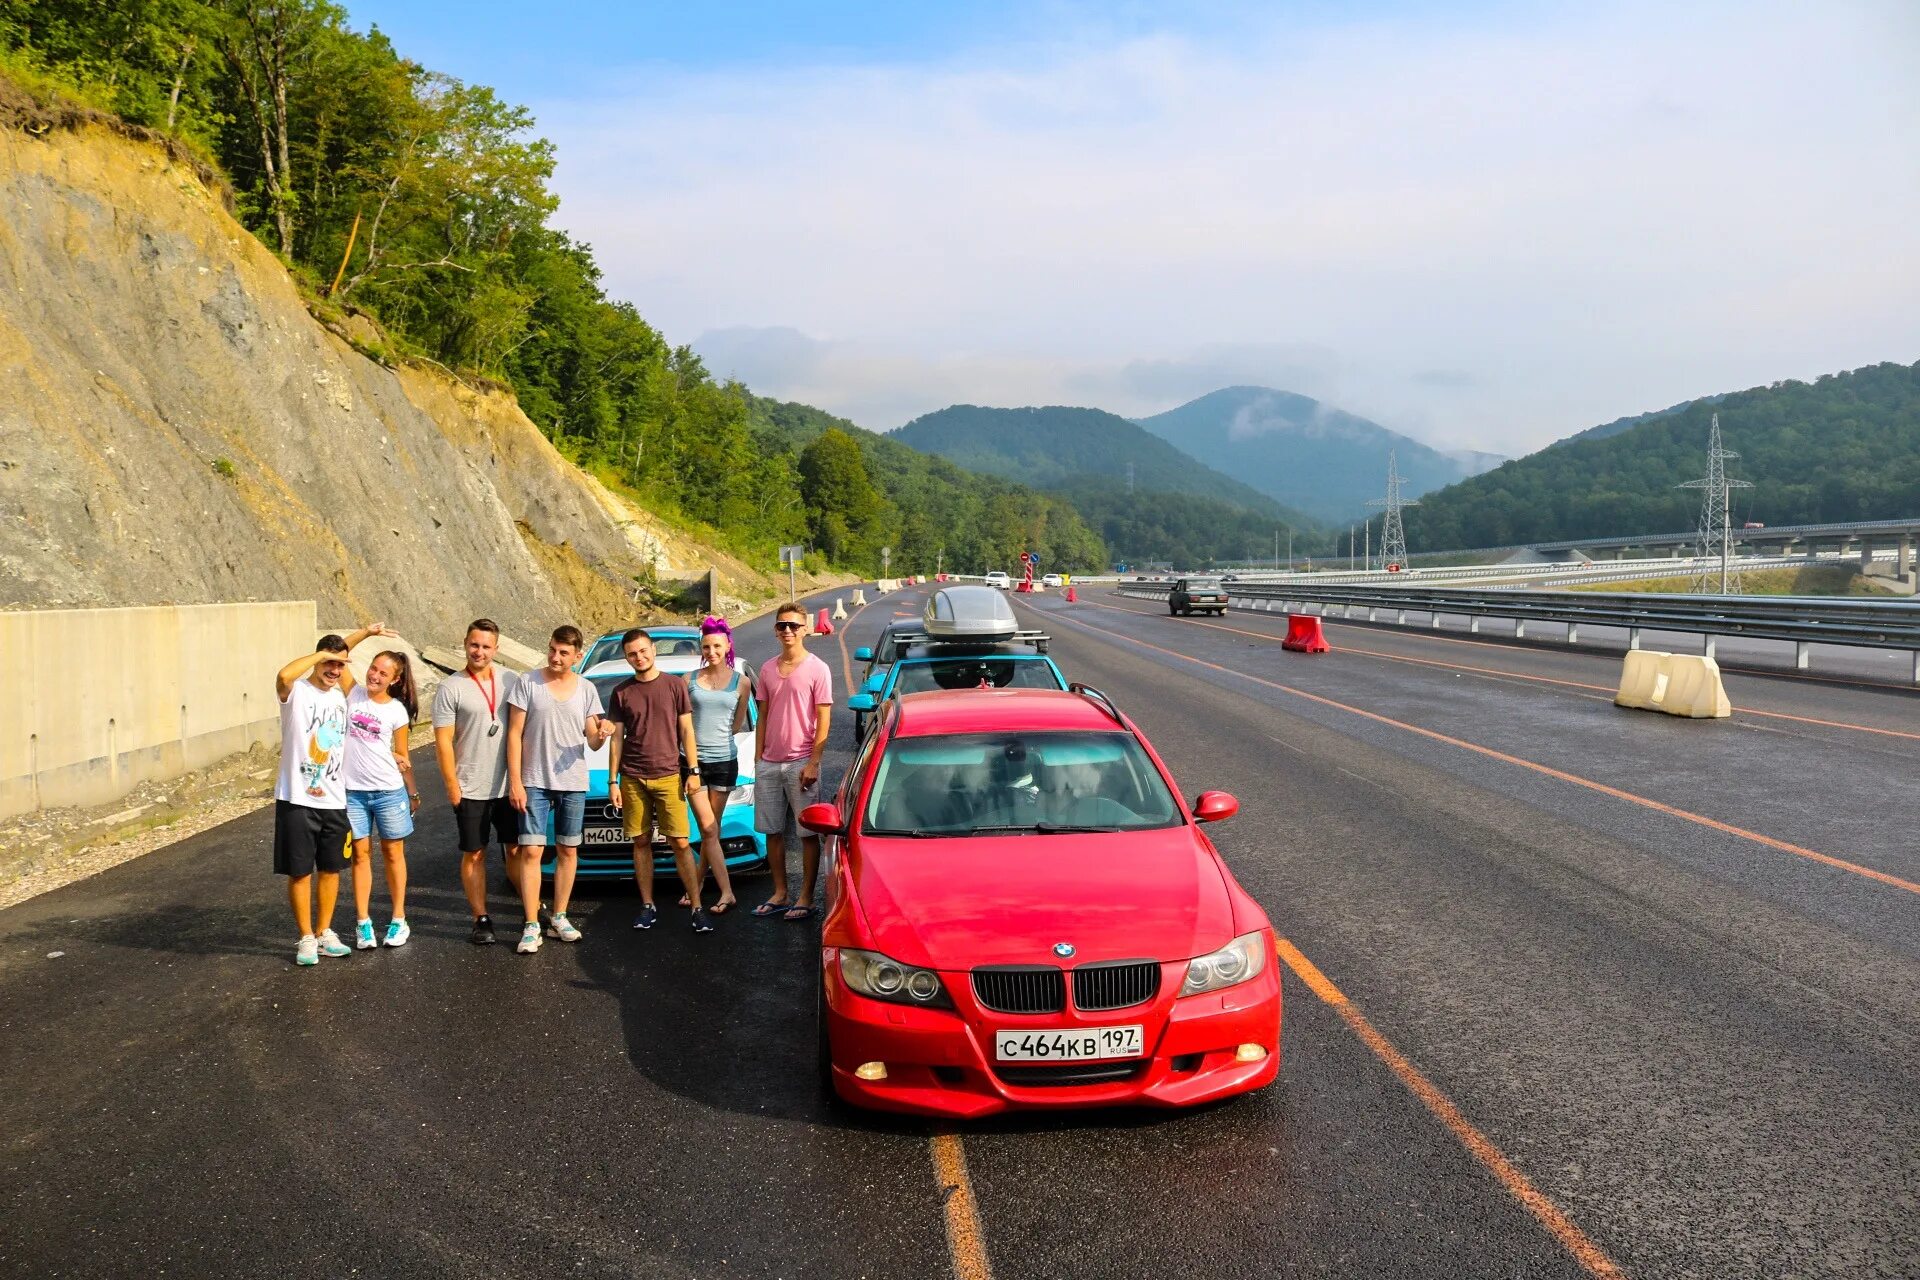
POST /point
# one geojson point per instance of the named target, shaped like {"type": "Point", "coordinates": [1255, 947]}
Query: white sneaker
{"type": "Point", "coordinates": [529, 939]}
{"type": "Point", "coordinates": [398, 933]}
{"type": "Point", "coordinates": [308, 952]}
{"type": "Point", "coordinates": [558, 926]}
{"type": "Point", "coordinates": [363, 936]}
{"type": "Point", "coordinates": [330, 945]}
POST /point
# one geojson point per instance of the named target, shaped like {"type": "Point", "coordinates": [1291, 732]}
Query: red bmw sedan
{"type": "Point", "coordinates": [1023, 913]}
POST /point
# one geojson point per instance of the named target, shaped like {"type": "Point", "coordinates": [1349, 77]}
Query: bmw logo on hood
{"type": "Point", "coordinates": [1063, 949]}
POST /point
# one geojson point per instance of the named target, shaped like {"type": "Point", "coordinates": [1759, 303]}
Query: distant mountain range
{"type": "Point", "coordinates": [1147, 499]}
{"type": "Point", "coordinates": [1839, 448]}
{"type": "Point", "coordinates": [1307, 455]}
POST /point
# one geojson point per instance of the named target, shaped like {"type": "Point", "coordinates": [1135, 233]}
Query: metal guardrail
{"type": "Point", "coordinates": [1799, 620]}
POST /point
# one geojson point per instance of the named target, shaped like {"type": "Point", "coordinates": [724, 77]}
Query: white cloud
{"type": "Point", "coordinates": [1568, 217]}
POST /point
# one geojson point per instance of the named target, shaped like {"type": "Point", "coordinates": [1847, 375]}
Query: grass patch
{"type": "Point", "coordinates": [1812, 580]}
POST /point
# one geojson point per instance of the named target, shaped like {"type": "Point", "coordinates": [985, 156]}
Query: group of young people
{"type": "Point", "coordinates": [514, 754]}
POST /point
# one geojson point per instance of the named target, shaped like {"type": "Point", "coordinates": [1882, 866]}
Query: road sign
{"type": "Point", "coordinates": [791, 555]}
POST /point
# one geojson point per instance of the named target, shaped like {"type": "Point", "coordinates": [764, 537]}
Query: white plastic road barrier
{"type": "Point", "coordinates": [1680, 684]}
{"type": "Point", "coordinates": [860, 596]}
{"type": "Point", "coordinates": [885, 585]}
{"type": "Point", "coordinates": [839, 609]}
{"type": "Point", "coordinates": [1643, 681]}
{"type": "Point", "coordinates": [1694, 689]}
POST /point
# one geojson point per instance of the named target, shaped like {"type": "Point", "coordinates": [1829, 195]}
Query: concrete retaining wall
{"type": "Point", "coordinates": [99, 700]}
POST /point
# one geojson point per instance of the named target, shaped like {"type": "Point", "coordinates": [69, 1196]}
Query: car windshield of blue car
{"type": "Point", "coordinates": [975, 672]}
{"type": "Point", "coordinates": [1014, 783]}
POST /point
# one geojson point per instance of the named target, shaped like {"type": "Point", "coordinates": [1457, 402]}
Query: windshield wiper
{"type": "Point", "coordinates": [1061, 828]}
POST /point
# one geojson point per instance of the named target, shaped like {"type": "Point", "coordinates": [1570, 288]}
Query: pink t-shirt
{"type": "Point", "coordinates": [793, 703]}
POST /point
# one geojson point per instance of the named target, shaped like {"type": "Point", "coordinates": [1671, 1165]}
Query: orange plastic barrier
{"type": "Point", "coordinates": [1304, 634]}
{"type": "Point", "coordinates": [1024, 587]}
{"type": "Point", "coordinates": [824, 625]}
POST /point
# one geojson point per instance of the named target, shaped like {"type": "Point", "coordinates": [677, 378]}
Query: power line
{"type": "Point", "coordinates": [1393, 535]}
{"type": "Point", "coordinates": [1716, 517]}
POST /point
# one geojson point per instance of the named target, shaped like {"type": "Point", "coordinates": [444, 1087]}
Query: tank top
{"type": "Point", "coordinates": [713, 712]}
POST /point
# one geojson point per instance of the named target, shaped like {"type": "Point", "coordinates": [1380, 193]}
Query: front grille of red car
{"type": "Point", "coordinates": [1116, 984]}
{"type": "Point", "coordinates": [1072, 1073]}
{"type": "Point", "coordinates": [1020, 988]}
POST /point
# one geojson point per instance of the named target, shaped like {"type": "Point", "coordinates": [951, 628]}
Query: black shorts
{"type": "Point", "coordinates": [306, 840]}
{"type": "Point", "coordinates": [479, 819]}
{"type": "Point", "coordinates": [723, 774]}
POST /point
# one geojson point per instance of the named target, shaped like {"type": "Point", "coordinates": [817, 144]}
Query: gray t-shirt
{"type": "Point", "coordinates": [553, 745]}
{"type": "Point", "coordinates": [479, 761]}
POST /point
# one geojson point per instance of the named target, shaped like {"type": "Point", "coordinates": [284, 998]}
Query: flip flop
{"type": "Point", "coordinates": [796, 914]}
{"type": "Point", "coordinates": [767, 909]}
{"type": "Point", "coordinates": [721, 907]}
{"type": "Point", "coordinates": [685, 901]}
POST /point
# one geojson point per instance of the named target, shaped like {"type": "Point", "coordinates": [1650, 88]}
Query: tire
{"type": "Point", "coordinates": [824, 1052]}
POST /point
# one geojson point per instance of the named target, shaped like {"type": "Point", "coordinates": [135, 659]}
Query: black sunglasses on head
{"type": "Point", "coordinates": [789, 626]}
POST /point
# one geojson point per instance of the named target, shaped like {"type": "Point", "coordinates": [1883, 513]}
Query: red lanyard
{"type": "Point", "coordinates": [492, 688]}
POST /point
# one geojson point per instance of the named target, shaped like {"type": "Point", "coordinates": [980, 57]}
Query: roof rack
{"type": "Point", "coordinates": [1038, 639]}
{"type": "Point", "coordinates": [1098, 698]}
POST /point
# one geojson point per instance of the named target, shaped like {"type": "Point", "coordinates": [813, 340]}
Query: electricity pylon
{"type": "Point", "coordinates": [1716, 517]}
{"type": "Point", "coordinates": [1393, 535]}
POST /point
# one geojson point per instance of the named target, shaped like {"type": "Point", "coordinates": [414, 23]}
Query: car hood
{"type": "Point", "coordinates": [960, 901]}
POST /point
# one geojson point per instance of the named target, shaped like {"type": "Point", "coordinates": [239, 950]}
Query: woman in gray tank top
{"type": "Point", "coordinates": [720, 699]}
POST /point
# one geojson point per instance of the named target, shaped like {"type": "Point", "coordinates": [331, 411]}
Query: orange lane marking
{"type": "Point", "coordinates": [1589, 1255]}
{"type": "Point", "coordinates": [966, 1239]}
{"type": "Point", "coordinates": [1520, 675]}
{"type": "Point", "coordinates": [1616, 793]}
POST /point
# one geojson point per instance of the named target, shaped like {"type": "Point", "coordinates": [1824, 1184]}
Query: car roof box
{"type": "Point", "coordinates": [969, 613]}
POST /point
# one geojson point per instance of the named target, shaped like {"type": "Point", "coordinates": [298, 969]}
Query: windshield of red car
{"type": "Point", "coordinates": [1017, 782]}
{"type": "Point", "coordinates": [970, 673]}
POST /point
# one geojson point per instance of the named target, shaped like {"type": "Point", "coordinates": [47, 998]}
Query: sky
{"type": "Point", "coordinates": [1486, 225]}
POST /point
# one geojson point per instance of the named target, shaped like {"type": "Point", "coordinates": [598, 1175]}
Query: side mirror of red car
{"type": "Point", "coordinates": [1210, 806]}
{"type": "Point", "coordinates": [823, 818]}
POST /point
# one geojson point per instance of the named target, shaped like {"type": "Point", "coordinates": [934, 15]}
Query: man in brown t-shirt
{"type": "Point", "coordinates": [652, 715]}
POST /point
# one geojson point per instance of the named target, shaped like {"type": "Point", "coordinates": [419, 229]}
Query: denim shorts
{"type": "Point", "coordinates": [386, 814]}
{"type": "Point", "coordinates": [566, 809]}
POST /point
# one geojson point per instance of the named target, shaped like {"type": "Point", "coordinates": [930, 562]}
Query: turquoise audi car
{"type": "Point", "coordinates": [607, 854]}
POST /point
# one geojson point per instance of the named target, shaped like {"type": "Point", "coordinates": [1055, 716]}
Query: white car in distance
{"type": "Point", "coordinates": [1051, 580]}
{"type": "Point", "coordinates": [999, 578]}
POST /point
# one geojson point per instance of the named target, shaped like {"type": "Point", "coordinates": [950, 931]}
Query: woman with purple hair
{"type": "Point", "coordinates": [721, 694]}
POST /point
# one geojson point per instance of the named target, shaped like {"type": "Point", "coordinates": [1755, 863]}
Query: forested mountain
{"type": "Point", "coordinates": [409, 197]}
{"type": "Point", "coordinates": [930, 511]}
{"type": "Point", "coordinates": [1178, 509]}
{"type": "Point", "coordinates": [1050, 447]}
{"type": "Point", "coordinates": [1839, 448]}
{"type": "Point", "coordinates": [1305, 454]}
{"type": "Point", "coordinates": [1618, 425]}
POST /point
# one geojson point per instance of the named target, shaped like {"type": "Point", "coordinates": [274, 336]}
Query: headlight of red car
{"type": "Point", "coordinates": [1238, 961]}
{"type": "Point", "coordinates": [883, 978]}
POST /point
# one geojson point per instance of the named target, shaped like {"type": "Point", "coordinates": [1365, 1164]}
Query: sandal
{"type": "Point", "coordinates": [720, 908]}
{"type": "Point", "coordinates": [685, 901]}
{"type": "Point", "coordinates": [767, 909]}
{"type": "Point", "coordinates": [795, 914]}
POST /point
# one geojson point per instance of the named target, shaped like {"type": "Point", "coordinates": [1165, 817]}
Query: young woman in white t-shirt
{"type": "Point", "coordinates": [381, 795]}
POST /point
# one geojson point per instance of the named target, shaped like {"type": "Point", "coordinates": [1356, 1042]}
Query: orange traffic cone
{"type": "Point", "coordinates": [1071, 597]}
{"type": "Point", "coordinates": [824, 625]}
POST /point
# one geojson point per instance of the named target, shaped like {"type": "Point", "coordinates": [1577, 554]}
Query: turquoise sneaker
{"type": "Point", "coordinates": [363, 936]}
{"type": "Point", "coordinates": [308, 952]}
{"type": "Point", "coordinates": [330, 945]}
{"type": "Point", "coordinates": [397, 933]}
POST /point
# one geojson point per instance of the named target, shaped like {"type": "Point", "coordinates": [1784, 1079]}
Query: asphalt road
{"type": "Point", "coordinates": [1592, 991]}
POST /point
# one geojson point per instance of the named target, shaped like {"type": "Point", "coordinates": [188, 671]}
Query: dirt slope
{"type": "Point", "coordinates": [176, 428]}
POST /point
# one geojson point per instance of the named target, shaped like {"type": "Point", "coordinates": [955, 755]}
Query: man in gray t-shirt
{"type": "Point", "coordinates": [470, 739]}
{"type": "Point", "coordinates": [553, 721]}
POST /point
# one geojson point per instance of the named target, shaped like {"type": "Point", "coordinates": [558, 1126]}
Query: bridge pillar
{"type": "Point", "coordinates": [1866, 554]}
{"type": "Point", "coordinates": [1903, 556]}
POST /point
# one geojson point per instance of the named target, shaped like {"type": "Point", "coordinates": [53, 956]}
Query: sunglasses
{"type": "Point", "coordinates": [789, 626]}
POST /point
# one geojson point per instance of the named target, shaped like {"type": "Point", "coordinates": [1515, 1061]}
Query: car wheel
{"type": "Point", "coordinates": [828, 1094]}
{"type": "Point", "coordinates": [1172, 612]}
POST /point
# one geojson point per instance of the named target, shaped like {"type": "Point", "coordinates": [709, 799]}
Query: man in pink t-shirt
{"type": "Point", "coordinates": [795, 693]}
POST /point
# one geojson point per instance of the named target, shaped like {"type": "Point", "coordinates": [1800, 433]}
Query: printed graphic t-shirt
{"type": "Point", "coordinates": [793, 703]}
{"type": "Point", "coordinates": [479, 760]}
{"type": "Point", "coordinates": [370, 765]}
{"type": "Point", "coordinates": [313, 734]}
{"type": "Point", "coordinates": [553, 743]}
{"type": "Point", "coordinates": [648, 713]}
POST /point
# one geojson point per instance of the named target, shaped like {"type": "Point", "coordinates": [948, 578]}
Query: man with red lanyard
{"type": "Point", "coordinates": [469, 736]}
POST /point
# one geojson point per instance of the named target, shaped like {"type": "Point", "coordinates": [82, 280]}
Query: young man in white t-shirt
{"type": "Point", "coordinates": [310, 798]}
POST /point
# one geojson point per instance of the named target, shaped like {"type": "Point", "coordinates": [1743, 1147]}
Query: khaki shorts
{"type": "Point", "coordinates": [656, 802]}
